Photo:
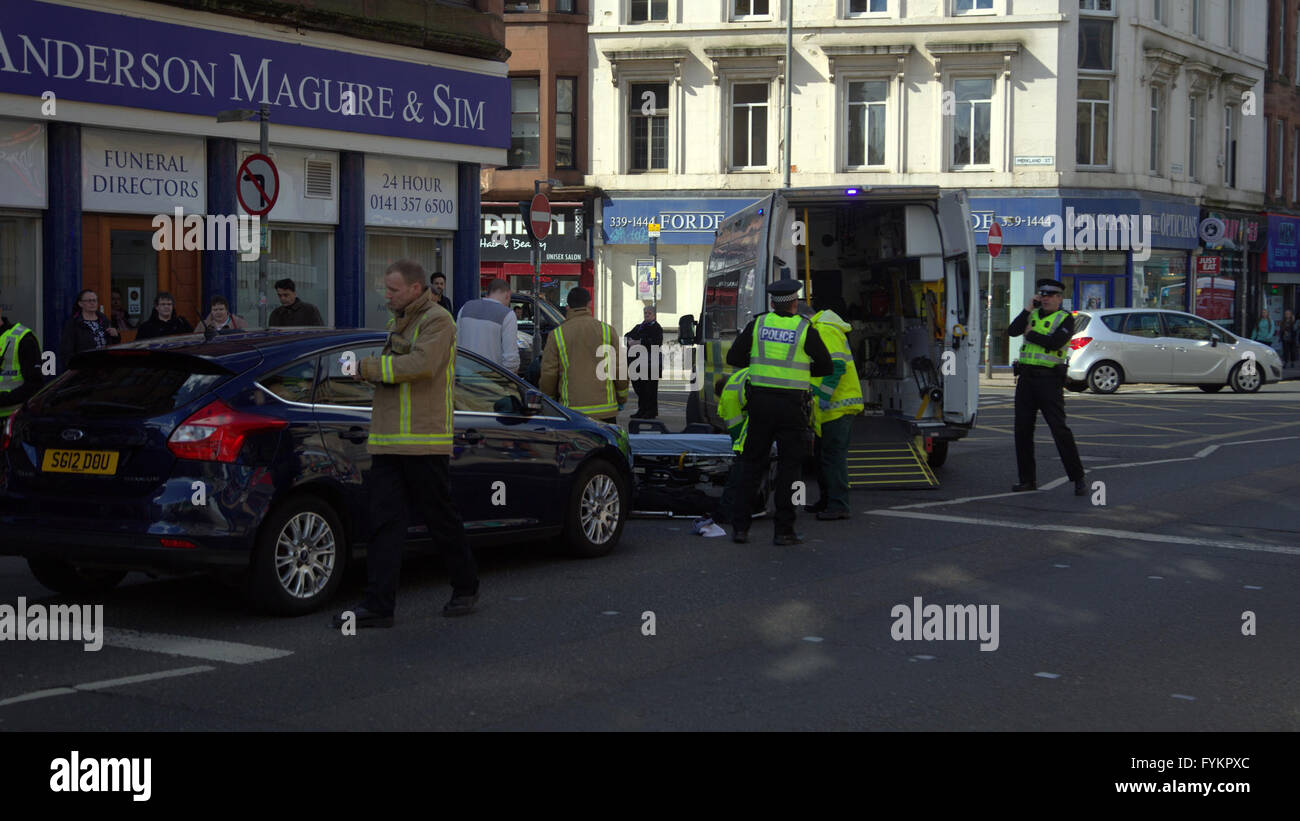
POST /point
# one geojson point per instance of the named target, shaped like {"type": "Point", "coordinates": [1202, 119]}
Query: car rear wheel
{"type": "Point", "coordinates": [1211, 388]}
{"type": "Point", "coordinates": [1105, 377]}
{"type": "Point", "coordinates": [1243, 382]}
{"type": "Point", "coordinates": [598, 507]}
{"type": "Point", "coordinates": [301, 553]}
{"type": "Point", "coordinates": [71, 579]}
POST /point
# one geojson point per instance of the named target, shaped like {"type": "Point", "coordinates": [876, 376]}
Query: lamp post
{"type": "Point", "coordinates": [537, 277]}
{"type": "Point", "coordinates": [263, 116]}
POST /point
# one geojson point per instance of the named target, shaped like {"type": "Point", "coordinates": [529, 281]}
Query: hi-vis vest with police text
{"type": "Point", "coordinates": [732, 408]}
{"type": "Point", "coordinates": [11, 374]}
{"type": "Point", "coordinates": [777, 358]}
{"type": "Point", "coordinates": [1034, 354]}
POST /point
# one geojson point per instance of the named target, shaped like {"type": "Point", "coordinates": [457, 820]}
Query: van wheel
{"type": "Point", "coordinates": [300, 558]}
{"type": "Point", "coordinates": [74, 580]}
{"type": "Point", "coordinates": [1105, 377]}
{"type": "Point", "coordinates": [598, 508]}
{"type": "Point", "coordinates": [938, 452]}
{"type": "Point", "coordinates": [1243, 382]}
{"type": "Point", "coordinates": [1211, 388]}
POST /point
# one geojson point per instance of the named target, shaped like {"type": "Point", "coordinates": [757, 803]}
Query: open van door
{"type": "Point", "coordinates": [963, 337]}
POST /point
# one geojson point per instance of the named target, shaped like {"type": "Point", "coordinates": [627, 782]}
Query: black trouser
{"type": "Point", "coordinates": [647, 397]}
{"type": "Point", "coordinates": [1041, 389]}
{"type": "Point", "coordinates": [1288, 352]}
{"type": "Point", "coordinates": [774, 416]}
{"type": "Point", "coordinates": [402, 486]}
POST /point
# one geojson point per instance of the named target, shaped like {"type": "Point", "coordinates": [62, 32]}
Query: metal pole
{"type": "Point", "coordinates": [789, 49]}
{"type": "Point", "coordinates": [988, 326]}
{"type": "Point", "coordinates": [537, 286]}
{"type": "Point", "coordinates": [263, 258]}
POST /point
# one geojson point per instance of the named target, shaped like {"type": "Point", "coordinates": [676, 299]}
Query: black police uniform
{"type": "Point", "coordinates": [1043, 389]}
{"type": "Point", "coordinates": [775, 414]}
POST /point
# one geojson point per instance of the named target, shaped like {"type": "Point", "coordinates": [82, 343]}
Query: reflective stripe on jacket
{"type": "Point", "coordinates": [11, 372]}
{"type": "Point", "coordinates": [843, 391]}
{"type": "Point", "coordinates": [777, 358]}
{"type": "Point", "coordinates": [580, 366]}
{"type": "Point", "coordinates": [733, 408]}
{"type": "Point", "coordinates": [1031, 353]}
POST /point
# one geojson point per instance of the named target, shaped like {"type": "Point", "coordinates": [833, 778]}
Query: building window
{"type": "Point", "coordinates": [431, 251]}
{"type": "Point", "coordinates": [525, 124]}
{"type": "Point", "coordinates": [966, 6]}
{"type": "Point", "coordinates": [749, 125]}
{"type": "Point", "coordinates": [1193, 135]}
{"type": "Point", "coordinates": [1281, 40]}
{"type": "Point", "coordinates": [866, 119]}
{"type": "Point", "coordinates": [1229, 148]}
{"type": "Point", "coordinates": [566, 90]}
{"type": "Point", "coordinates": [648, 11]}
{"type": "Point", "coordinates": [1095, 5]}
{"type": "Point", "coordinates": [859, 7]}
{"type": "Point", "coordinates": [1197, 14]}
{"type": "Point", "coordinates": [518, 6]}
{"type": "Point", "coordinates": [972, 127]}
{"type": "Point", "coordinates": [1095, 44]}
{"type": "Point", "coordinates": [1295, 164]}
{"type": "Point", "coordinates": [648, 126]}
{"type": "Point", "coordinates": [1279, 152]}
{"type": "Point", "coordinates": [1232, 24]}
{"type": "Point", "coordinates": [306, 257]}
{"type": "Point", "coordinates": [19, 257]}
{"type": "Point", "coordinates": [1158, 10]}
{"type": "Point", "coordinates": [1156, 136]}
{"type": "Point", "coordinates": [565, 6]}
{"type": "Point", "coordinates": [749, 9]}
{"type": "Point", "coordinates": [1093, 146]}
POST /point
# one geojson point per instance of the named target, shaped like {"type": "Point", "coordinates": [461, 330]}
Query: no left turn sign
{"type": "Point", "coordinates": [257, 184]}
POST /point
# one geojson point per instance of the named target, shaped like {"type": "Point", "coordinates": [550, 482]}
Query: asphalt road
{"type": "Point", "coordinates": [1126, 615]}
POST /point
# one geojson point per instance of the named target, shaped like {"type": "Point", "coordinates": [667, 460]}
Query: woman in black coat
{"type": "Point", "coordinates": [87, 330]}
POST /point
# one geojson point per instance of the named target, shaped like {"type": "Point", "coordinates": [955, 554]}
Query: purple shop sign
{"type": "Point", "coordinates": [115, 59]}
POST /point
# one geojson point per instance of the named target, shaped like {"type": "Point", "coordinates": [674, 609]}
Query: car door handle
{"type": "Point", "coordinates": [470, 436]}
{"type": "Point", "coordinates": [1181, 349]}
{"type": "Point", "coordinates": [354, 434]}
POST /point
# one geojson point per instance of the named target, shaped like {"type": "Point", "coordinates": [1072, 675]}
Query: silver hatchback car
{"type": "Point", "coordinates": [1118, 345]}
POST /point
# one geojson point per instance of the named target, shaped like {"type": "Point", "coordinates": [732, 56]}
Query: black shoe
{"type": "Point", "coordinates": [1023, 486]}
{"type": "Point", "coordinates": [817, 508]}
{"type": "Point", "coordinates": [460, 605]}
{"type": "Point", "coordinates": [1081, 486]}
{"type": "Point", "coordinates": [740, 537]}
{"type": "Point", "coordinates": [362, 617]}
{"type": "Point", "coordinates": [786, 539]}
{"type": "Point", "coordinates": [832, 515]}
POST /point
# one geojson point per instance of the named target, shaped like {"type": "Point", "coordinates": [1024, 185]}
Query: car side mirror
{"type": "Point", "coordinates": [686, 330]}
{"type": "Point", "coordinates": [534, 401]}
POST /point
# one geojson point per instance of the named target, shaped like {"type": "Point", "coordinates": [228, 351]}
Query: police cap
{"type": "Point", "coordinates": [1053, 285]}
{"type": "Point", "coordinates": [784, 290]}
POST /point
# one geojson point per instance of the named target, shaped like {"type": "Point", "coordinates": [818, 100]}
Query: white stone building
{"type": "Point", "coordinates": [1032, 105]}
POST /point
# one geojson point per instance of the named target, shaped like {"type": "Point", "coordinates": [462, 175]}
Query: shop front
{"type": "Point", "coordinates": [1283, 263]}
{"type": "Point", "coordinates": [505, 251]}
{"type": "Point", "coordinates": [1228, 286]}
{"type": "Point", "coordinates": [376, 147]}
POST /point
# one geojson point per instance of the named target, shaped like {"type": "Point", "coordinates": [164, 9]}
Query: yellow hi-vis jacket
{"type": "Point", "coordinates": [576, 371]}
{"type": "Point", "coordinates": [777, 358]}
{"type": "Point", "coordinates": [841, 392]}
{"type": "Point", "coordinates": [1032, 353]}
{"type": "Point", "coordinates": [11, 372]}
{"type": "Point", "coordinates": [412, 414]}
{"type": "Point", "coordinates": [733, 407]}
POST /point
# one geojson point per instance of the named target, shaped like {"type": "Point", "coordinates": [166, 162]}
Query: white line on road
{"type": "Point", "coordinates": [1094, 531]}
{"type": "Point", "coordinates": [192, 647]}
{"type": "Point", "coordinates": [100, 685]}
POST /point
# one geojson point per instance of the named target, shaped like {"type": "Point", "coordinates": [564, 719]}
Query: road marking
{"type": "Point", "coordinates": [192, 647]}
{"type": "Point", "coordinates": [1048, 675]}
{"type": "Point", "coordinates": [1214, 436]}
{"type": "Point", "coordinates": [91, 686]}
{"type": "Point", "coordinates": [1131, 535]}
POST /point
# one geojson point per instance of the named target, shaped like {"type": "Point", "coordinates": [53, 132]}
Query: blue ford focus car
{"type": "Point", "coordinates": [247, 453]}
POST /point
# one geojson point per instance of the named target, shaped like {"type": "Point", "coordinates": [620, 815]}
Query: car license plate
{"type": "Point", "coordinates": [101, 462]}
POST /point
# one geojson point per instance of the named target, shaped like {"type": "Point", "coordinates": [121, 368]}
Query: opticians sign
{"type": "Point", "coordinates": [683, 221]}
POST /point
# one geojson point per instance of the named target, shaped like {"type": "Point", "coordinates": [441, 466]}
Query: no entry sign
{"type": "Point", "coordinates": [995, 239]}
{"type": "Point", "coordinates": [257, 184]}
{"type": "Point", "coordinates": [539, 216]}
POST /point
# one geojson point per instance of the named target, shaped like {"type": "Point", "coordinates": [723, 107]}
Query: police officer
{"type": "Point", "coordinates": [782, 351]}
{"type": "Point", "coordinates": [1040, 383]}
{"type": "Point", "coordinates": [20, 366]}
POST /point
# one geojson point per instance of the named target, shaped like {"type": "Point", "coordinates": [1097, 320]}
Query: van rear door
{"type": "Point", "coordinates": [960, 388]}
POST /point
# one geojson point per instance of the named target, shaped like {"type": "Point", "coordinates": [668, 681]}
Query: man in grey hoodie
{"type": "Point", "coordinates": [489, 328]}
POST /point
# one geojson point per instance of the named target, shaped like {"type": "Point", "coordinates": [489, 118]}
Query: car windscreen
{"type": "Point", "coordinates": [130, 383]}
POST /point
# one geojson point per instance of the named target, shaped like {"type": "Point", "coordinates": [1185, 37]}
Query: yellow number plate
{"type": "Point", "coordinates": [103, 462]}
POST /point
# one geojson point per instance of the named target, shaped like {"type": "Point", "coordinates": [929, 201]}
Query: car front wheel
{"type": "Point", "coordinates": [1243, 381]}
{"type": "Point", "coordinates": [1105, 377]}
{"type": "Point", "coordinates": [598, 507]}
{"type": "Point", "coordinates": [74, 580]}
{"type": "Point", "coordinates": [301, 552]}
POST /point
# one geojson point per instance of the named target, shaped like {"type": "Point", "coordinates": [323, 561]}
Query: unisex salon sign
{"type": "Point", "coordinates": [115, 59]}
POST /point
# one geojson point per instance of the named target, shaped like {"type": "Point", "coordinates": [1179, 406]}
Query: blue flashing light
{"type": "Point", "coordinates": [852, 192]}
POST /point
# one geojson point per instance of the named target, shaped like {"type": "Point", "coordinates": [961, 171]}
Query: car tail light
{"type": "Point", "coordinates": [8, 435]}
{"type": "Point", "coordinates": [182, 543]}
{"type": "Point", "coordinates": [1078, 344]}
{"type": "Point", "coordinates": [217, 432]}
